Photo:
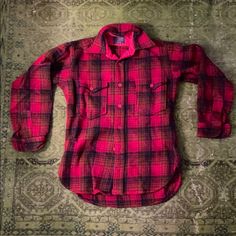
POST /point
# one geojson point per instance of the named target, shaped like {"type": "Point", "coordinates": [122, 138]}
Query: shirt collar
{"type": "Point", "coordinates": [134, 35]}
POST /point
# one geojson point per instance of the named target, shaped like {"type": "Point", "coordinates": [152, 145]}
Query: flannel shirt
{"type": "Point", "coordinates": [120, 88]}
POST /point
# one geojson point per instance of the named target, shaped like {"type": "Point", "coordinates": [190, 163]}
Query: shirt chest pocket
{"type": "Point", "coordinates": [152, 98]}
{"type": "Point", "coordinates": [92, 99]}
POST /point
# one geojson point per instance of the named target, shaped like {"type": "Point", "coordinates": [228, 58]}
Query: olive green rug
{"type": "Point", "coordinates": [33, 202]}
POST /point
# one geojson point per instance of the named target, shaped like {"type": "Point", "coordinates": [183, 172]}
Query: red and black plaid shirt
{"type": "Point", "coordinates": [120, 88]}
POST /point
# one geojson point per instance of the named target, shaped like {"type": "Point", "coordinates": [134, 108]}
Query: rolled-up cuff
{"type": "Point", "coordinates": [31, 144]}
{"type": "Point", "coordinates": [204, 131]}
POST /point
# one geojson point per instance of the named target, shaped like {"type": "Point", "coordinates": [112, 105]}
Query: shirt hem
{"type": "Point", "coordinates": [134, 200]}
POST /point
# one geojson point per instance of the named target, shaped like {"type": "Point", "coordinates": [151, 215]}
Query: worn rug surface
{"type": "Point", "coordinates": [33, 202]}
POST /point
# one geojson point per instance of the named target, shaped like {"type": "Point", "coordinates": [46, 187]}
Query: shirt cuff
{"type": "Point", "coordinates": [30, 144]}
{"type": "Point", "coordinates": [206, 131]}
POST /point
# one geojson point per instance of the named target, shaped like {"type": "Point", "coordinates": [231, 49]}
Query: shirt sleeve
{"type": "Point", "coordinates": [31, 101]}
{"type": "Point", "coordinates": [215, 92]}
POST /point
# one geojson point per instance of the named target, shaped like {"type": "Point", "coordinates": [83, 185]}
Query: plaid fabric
{"type": "Point", "coordinates": [120, 87]}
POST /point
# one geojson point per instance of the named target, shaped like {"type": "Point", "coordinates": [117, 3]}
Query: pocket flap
{"type": "Point", "coordinates": [158, 84]}
{"type": "Point", "coordinates": [95, 88]}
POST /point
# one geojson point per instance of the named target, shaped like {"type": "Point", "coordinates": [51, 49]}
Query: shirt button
{"type": "Point", "coordinates": [151, 85]}
{"type": "Point", "coordinates": [119, 105]}
{"type": "Point", "coordinates": [119, 85]}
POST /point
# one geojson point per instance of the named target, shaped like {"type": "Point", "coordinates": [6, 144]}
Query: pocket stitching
{"type": "Point", "coordinates": [154, 89]}
{"type": "Point", "coordinates": [93, 91]}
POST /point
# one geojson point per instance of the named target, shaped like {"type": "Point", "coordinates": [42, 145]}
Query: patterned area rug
{"type": "Point", "coordinates": [33, 202]}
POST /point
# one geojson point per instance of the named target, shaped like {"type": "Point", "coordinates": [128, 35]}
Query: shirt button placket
{"type": "Point", "coordinates": [118, 106]}
{"type": "Point", "coordinates": [118, 119]}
